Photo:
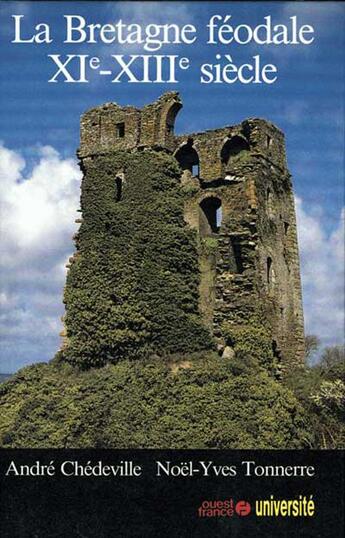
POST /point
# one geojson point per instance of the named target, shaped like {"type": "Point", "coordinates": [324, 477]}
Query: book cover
{"type": "Point", "coordinates": [172, 269]}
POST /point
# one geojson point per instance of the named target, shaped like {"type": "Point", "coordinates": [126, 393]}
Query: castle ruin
{"type": "Point", "coordinates": [238, 202]}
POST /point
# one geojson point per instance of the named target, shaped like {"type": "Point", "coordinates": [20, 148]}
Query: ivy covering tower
{"type": "Point", "coordinates": [181, 238]}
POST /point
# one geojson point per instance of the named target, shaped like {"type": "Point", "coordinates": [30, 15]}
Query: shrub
{"type": "Point", "coordinates": [192, 401]}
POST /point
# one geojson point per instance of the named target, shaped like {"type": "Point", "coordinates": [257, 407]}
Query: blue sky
{"type": "Point", "coordinates": [39, 130]}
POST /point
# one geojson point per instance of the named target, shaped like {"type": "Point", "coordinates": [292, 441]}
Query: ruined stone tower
{"type": "Point", "coordinates": [237, 203]}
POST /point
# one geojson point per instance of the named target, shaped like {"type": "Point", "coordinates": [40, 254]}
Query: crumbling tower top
{"type": "Point", "coordinates": [110, 126]}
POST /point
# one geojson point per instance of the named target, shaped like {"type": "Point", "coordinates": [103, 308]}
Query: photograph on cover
{"type": "Point", "coordinates": [172, 235]}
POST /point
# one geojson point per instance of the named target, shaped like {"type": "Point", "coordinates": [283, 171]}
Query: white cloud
{"type": "Point", "coordinates": [322, 264]}
{"type": "Point", "coordinates": [38, 209]}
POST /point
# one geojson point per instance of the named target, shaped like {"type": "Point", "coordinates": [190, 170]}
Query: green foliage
{"type": "Point", "coordinates": [209, 245]}
{"type": "Point", "coordinates": [190, 189]}
{"type": "Point", "coordinates": [331, 397]}
{"type": "Point", "coordinates": [252, 344]}
{"type": "Point", "coordinates": [321, 391]}
{"type": "Point", "coordinates": [192, 401]}
{"type": "Point", "coordinates": [133, 285]}
{"type": "Point", "coordinates": [332, 363]}
{"type": "Point", "coordinates": [329, 406]}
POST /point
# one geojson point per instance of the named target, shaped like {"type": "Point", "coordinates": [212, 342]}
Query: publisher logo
{"type": "Point", "coordinates": [216, 508]}
{"type": "Point", "coordinates": [242, 508]}
{"type": "Point", "coordinates": [224, 508]}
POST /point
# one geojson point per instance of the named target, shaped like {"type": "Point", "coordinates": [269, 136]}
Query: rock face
{"type": "Point", "coordinates": [223, 213]}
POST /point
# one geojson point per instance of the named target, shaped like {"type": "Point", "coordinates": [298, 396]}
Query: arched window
{"type": "Point", "coordinates": [232, 147]}
{"type": "Point", "coordinates": [188, 158]}
{"type": "Point", "coordinates": [210, 216]}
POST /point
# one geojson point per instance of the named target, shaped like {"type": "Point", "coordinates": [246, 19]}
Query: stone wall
{"type": "Point", "coordinates": [111, 127]}
{"type": "Point", "coordinates": [239, 199]}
